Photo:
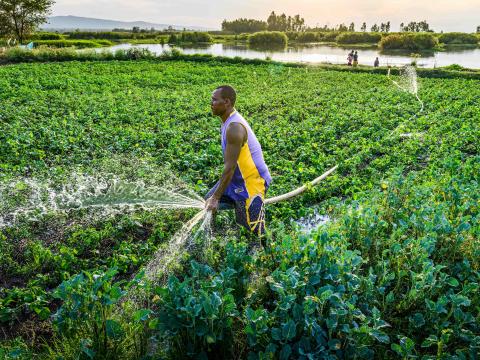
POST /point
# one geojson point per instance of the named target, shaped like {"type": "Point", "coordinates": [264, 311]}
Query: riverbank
{"type": "Point", "coordinates": [16, 55]}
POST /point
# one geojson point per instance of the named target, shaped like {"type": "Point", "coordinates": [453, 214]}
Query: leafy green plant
{"type": "Point", "coordinates": [196, 315]}
{"type": "Point", "coordinates": [88, 300]}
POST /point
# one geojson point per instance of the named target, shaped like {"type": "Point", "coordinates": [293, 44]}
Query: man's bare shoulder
{"type": "Point", "coordinates": [236, 133]}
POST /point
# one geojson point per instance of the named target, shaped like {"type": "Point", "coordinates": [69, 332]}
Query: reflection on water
{"type": "Point", "coordinates": [323, 54]}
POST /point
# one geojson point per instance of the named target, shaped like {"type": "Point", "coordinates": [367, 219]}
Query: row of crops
{"type": "Point", "coordinates": [394, 275]}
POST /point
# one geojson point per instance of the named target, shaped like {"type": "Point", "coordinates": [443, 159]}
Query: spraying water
{"type": "Point", "coordinates": [183, 239]}
{"type": "Point", "coordinates": [103, 195]}
{"type": "Point", "coordinates": [407, 82]}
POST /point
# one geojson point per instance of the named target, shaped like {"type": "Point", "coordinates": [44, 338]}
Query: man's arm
{"type": "Point", "coordinates": [236, 136]}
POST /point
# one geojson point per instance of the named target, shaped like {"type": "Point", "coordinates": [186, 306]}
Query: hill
{"type": "Point", "coordinates": [84, 23]}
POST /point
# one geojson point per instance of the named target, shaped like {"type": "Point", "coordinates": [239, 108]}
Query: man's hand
{"type": "Point", "coordinates": [211, 204]}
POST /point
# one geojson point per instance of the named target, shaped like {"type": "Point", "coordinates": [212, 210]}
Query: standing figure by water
{"type": "Point", "coordinates": [350, 58]}
{"type": "Point", "coordinates": [376, 63]}
{"type": "Point", "coordinates": [245, 178]}
{"type": "Point", "coordinates": [355, 59]}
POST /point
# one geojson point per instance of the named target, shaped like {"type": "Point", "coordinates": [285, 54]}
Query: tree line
{"type": "Point", "coordinates": [297, 23]}
{"type": "Point", "coordinates": [273, 23]}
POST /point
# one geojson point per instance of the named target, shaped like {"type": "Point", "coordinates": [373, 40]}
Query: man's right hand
{"type": "Point", "coordinates": [212, 204]}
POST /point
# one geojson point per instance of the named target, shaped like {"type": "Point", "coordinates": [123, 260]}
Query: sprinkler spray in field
{"type": "Point", "coordinates": [102, 195]}
{"type": "Point", "coordinates": [407, 82]}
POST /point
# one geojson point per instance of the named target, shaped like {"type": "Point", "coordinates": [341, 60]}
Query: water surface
{"type": "Point", "coordinates": [316, 53]}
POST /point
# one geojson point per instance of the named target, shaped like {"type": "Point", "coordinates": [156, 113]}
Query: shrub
{"type": "Point", "coordinates": [292, 35]}
{"type": "Point", "coordinates": [358, 38]}
{"type": "Point", "coordinates": [190, 37]}
{"type": "Point", "coordinates": [307, 37]}
{"type": "Point", "coordinates": [91, 35]}
{"type": "Point", "coordinates": [87, 307]}
{"type": "Point", "coordinates": [46, 36]}
{"type": "Point", "coordinates": [72, 43]}
{"type": "Point", "coordinates": [422, 41]}
{"type": "Point", "coordinates": [268, 38]}
{"type": "Point", "coordinates": [328, 36]}
{"type": "Point", "coordinates": [204, 299]}
{"type": "Point", "coordinates": [457, 38]}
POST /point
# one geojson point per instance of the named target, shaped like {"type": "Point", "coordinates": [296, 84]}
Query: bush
{"type": "Point", "coordinates": [358, 38]}
{"type": "Point", "coordinates": [91, 35]}
{"type": "Point", "coordinates": [422, 41]}
{"type": "Point", "coordinates": [72, 43]}
{"type": "Point", "coordinates": [190, 37]}
{"type": "Point", "coordinates": [46, 36]}
{"type": "Point", "coordinates": [307, 37]}
{"type": "Point", "coordinates": [87, 314]}
{"type": "Point", "coordinates": [268, 38]}
{"type": "Point", "coordinates": [329, 36]}
{"type": "Point", "coordinates": [458, 38]}
{"type": "Point", "coordinates": [204, 299]}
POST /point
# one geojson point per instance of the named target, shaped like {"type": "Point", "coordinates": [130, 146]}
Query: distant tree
{"type": "Point", "coordinates": [272, 21]}
{"type": "Point", "coordinates": [152, 29]}
{"type": "Point", "coordinates": [402, 27]}
{"type": "Point", "coordinates": [135, 29]}
{"type": "Point", "coordinates": [375, 28]}
{"type": "Point", "coordinates": [478, 29]}
{"type": "Point", "coordinates": [283, 23]}
{"type": "Point", "coordinates": [351, 27]}
{"type": "Point", "coordinates": [342, 28]}
{"type": "Point", "coordinates": [298, 23]}
{"type": "Point", "coordinates": [417, 26]}
{"type": "Point", "coordinates": [424, 26]}
{"type": "Point", "coordinates": [382, 27]}
{"type": "Point", "coordinates": [387, 27]}
{"type": "Point", "coordinates": [19, 18]}
{"type": "Point", "coordinates": [241, 25]}
{"type": "Point", "coordinates": [364, 27]}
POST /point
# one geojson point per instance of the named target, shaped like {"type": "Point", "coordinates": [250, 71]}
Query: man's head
{"type": "Point", "coordinates": [223, 100]}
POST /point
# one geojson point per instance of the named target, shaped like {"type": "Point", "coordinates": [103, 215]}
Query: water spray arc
{"type": "Point", "coordinates": [408, 83]}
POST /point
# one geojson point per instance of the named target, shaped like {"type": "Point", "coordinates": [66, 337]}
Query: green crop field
{"type": "Point", "coordinates": [395, 273]}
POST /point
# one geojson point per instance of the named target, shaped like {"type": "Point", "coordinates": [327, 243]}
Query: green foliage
{"type": "Point", "coordinates": [423, 41]}
{"type": "Point", "coordinates": [88, 300]}
{"type": "Point", "coordinates": [457, 38]}
{"type": "Point", "coordinates": [190, 38]}
{"type": "Point", "coordinates": [73, 43]}
{"type": "Point", "coordinates": [196, 315]}
{"type": "Point", "coordinates": [29, 13]}
{"type": "Point", "coordinates": [395, 273]}
{"type": "Point", "coordinates": [46, 36]}
{"type": "Point", "coordinates": [241, 25]}
{"type": "Point", "coordinates": [306, 37]}
{"type": "Point", "coordinates": [358, 38]}
{"type": "Point", "coordinates": [329, 36]}
{"type": "Point", "coordinates": [271, 38]}
{"type": "Point", "coordinates": [107, 35]}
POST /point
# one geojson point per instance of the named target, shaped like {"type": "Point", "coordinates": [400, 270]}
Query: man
{"type": "Point", "coordinates": [376, 63]}
{"type": "Point", "coordinates": [245, 178]}
{"type": "Point", "coordinates": [355, 59]}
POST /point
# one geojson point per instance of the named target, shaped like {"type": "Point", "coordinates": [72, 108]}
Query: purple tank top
{"type": "Point", "coordinates": [251, 176]}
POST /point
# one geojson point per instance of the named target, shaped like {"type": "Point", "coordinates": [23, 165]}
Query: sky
{"type": "Point", "coordinates": [446, 15]}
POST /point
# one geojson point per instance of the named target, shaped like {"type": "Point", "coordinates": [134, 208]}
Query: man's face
{"type": "Point", "coordinates": [218, 104]}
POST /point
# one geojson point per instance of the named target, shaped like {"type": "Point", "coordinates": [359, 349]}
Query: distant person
{"type": "Point", "coordinates": [245, 178]}
{"type": "Point", "coordinates": [355, 59]}
{"type": "Point", "coordinates": [350, 58]}
{"type": "Point", "coordinates": [376, 63]}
